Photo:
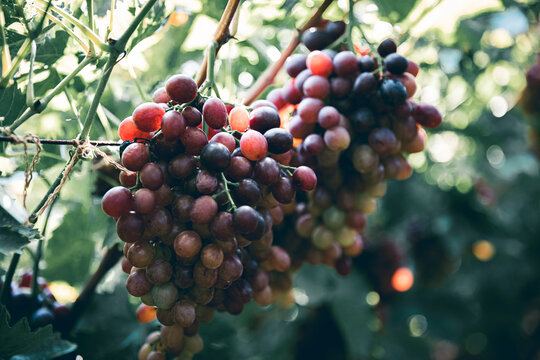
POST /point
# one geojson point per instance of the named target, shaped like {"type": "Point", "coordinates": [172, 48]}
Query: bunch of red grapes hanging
{"type": "Point", "coordinates": [197, 208]}
{"type": "Point", "coordinates": [209, 184]}
{"type": "Point", "coordinates": [354, 121]}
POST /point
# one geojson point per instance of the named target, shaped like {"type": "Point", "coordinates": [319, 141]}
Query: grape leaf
{"type": "Point", "coordinates": [51, 47]}
{"type": "Point", "coordinates": [71, 247]}
{"type": "Point", "coordinates": [288, 5]}
{"type": "Point", "coordinates": [14, 235]}
{"type": "Point", "coordinates": [120, 341]}
{"type": "Point", "coordinates": [12, 104]}
{"type": "Point", "coordinates": [20, 343]}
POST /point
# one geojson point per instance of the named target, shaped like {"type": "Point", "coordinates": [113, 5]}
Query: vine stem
{"type": "Point", "coordinates": [21, 54]}
{"type": "Point", "coordinates": [90, 10]}
{"type": "Point", "coordinates": [30, 88]}
{"type": "Point", "coordinates": [221, 36]}
{"type": "Point", "coordinates": [64, 142]}
{"type": "Point", "coordinates": [6, 287]}
{"type": "Point", "coordinates": [267, 78]}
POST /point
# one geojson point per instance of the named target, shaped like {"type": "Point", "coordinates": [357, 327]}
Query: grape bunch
{"type": "Point", "coordinates": [41, 308]}
{"type": "Point", "coordinates": [354, 121]}
{"type": "Point", "coordinates": [197, 209]}
{"type": "Point", "coordinates": [530, 105]}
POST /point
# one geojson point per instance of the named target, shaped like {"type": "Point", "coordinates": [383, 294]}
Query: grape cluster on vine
{"type": "Point", "coordinates": [354, 122]}
{"type": "Point", "coordinates": [197, 210]}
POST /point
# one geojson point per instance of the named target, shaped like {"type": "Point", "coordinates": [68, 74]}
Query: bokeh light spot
{"type": "Point", "coordinates": [483, 250]}
{"type": "Point", "coordinates": [403, 279]}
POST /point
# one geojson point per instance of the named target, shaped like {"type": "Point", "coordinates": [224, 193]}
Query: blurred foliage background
{"type": "Point", "coordinates": [467, 222]}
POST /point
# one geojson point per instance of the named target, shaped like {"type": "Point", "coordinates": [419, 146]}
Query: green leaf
{"type": "Point", "coordinates": [20, 343]}
{"type": "Point", "coordinates": [70, 250]}
{"type": "Point", "coordinates": [120, 341]}
{"type": "Point", "coordinates": [12, 104]}
{"type": "Point", "coordinates": [51, 47]}
{"type": "Point", "coordinates": [14, 235]}
{"type": "Point", "coordinates": [396, 10]}
{"type": "Point", "coordinates": [288, 5]}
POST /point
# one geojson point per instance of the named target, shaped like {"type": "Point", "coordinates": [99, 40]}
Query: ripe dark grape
{"type": "Point", "coordinates": [144, 201]}
{"type": "Point", "coordinates": [117, 201]}
{"type": "Point", "coordinates": [204, 209]}
{"type": "Point", "coordinates": [340, 87]}
{"type": "Point", "coordinates": [239, 168]}
{"type": "Point", "coordinates": [266, 171]}
{"type": "Point", "coordinates": [192, 116]}
{"type": "Point", "coordinates": [137, 284]}
{"type": "Point", "coordinates": [159, 271]}
{"type": "Point", "coordinates": [328, 117]}
{"type": "Point", "coordinates": [279, 140]}
{"type": "Point", "coordinates": [291, 94]}
{"type": "Point", "coordinates": [194, 139]}
{"type": "Point", "coordinates": [206, 183]}
{"type": "Point", "coordinates": [316, 87]}
{"type": "Point", "coordinates": [295, 64]}
{"type": "Point", "coordinates": [383, 140]}
{"type": "Point", "coordinates": [300, 79]}
{"type": "Point", "coordinates": [365, 84]}
{"type": "Point", "coordinates": [214, 113]}
{"type": "Point", "coordinates": [215, 157]}
{"type": "Point", "coordinates": [362, 120]}
{"type": "Point", "coordinates": [181, 166]}
{"type": "Point", "coordinates": [427, 115]}
{"type": "Point", "coordinates": [313, 144]}
{"type": "Point", "coordinates": [130, 227]}
{"type": "Point", "coordinates": [396, 64]}
{"type": "Point", "coordinates": [141, 254]}
{"type": "Point", "coordinates": [316, 39]}
{"type": "Point", "coordinates": [248, 192]}
{"type": "Point", "coordinates": [367, 63]}
{"type": "Point", "coordinates": [283, 190]}
{"type": "Point", "coordinates": [172, 124]}
{"type": "Point", "coordinates": [308, 109]}
{"type": "Point", "coordinates": [304, 178]}
{"type": "Point", "coordinates": [336, 28]}
{"type": "Point", "coordinates": [393, 92]}
{"type": "Point", "coordinates": [263, 119]}
{"type": "Point", "coordinates": [128, 180]}
{"type": "Point", "coordinates": [345, 64]}
{"type": "Point", "coordinates": [181, 88]}
{"type": "Point", "coordinates": [151, 176]}
{"type": "Point", "coordinates": [387, 47]}
{"type": "Point", "coordinates": [184, 313]}
{"type": "Point", "coordinates": [276, 97]}
{"type": "Point", "coordinates": [135, 156]}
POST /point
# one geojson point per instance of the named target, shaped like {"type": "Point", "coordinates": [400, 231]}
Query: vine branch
{"type": "Point", "coordinates": [221, 36]}
{"type": "Point", "coordinates": [63, 142]}
{"type": "Point", "coordinates": [267, 78]}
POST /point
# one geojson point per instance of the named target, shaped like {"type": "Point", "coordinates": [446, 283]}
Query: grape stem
{"type": "Point", "coordinates": [267, 78]}
{"type": "Point", "coordinates": [287, 169]}
{"type": "Point", "coordinates": [226, 190]}
{"type": "Point", "coordinates": [221, 37]}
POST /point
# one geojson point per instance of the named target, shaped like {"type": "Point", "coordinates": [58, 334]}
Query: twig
{"type": "Point", "coordinates": [6, 286]}
{"type": "Point", "coordinates": [267, 78]}
{"type": "Point", "coordinates": [64, 142]}
{"type": "Point", "coordinates": [221, 36]}
{"type": "Point", "coordinates": [110, 259]}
